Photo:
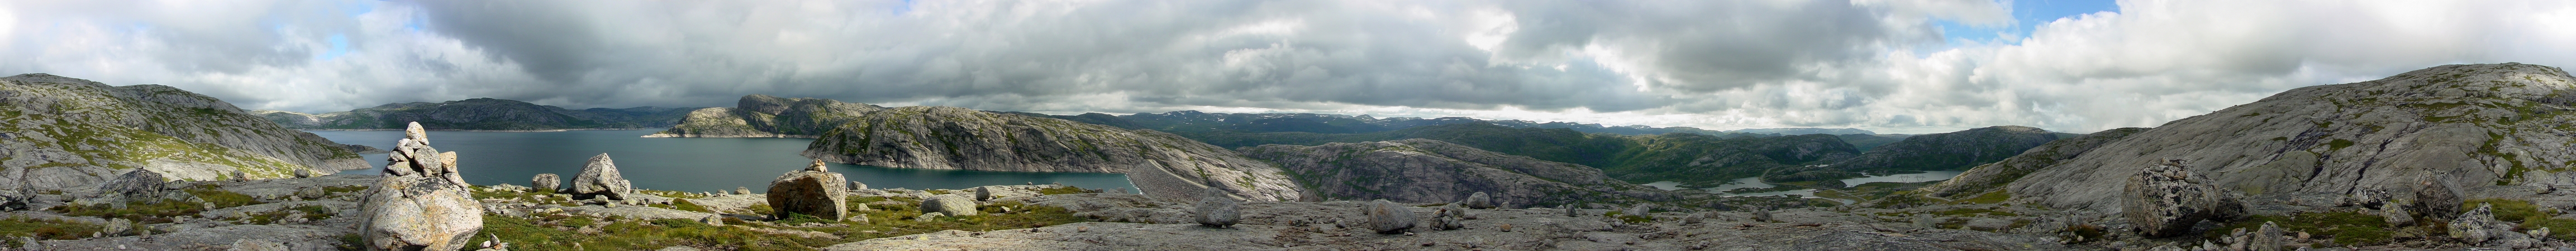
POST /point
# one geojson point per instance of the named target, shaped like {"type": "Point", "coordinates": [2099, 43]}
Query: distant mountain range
{"type": "Point", "coordinates": [480, 114]}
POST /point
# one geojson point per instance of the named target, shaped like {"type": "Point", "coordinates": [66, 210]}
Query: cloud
{"type": "Point", "coordinates": [1881, 65]}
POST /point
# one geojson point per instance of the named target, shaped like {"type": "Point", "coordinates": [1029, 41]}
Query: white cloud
{"type": "Point", "coordinates": [1712, 64]}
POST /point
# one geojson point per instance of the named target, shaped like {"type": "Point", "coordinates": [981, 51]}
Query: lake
{"type": "Point", "coordinates": [678, 164]}
{"type": "Point", "coordinates": [1810, 193]}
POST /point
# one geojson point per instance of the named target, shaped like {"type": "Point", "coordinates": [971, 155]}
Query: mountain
{"type": "Point", "coordinates": [1703, 160]}
{"type": "Point", "coordinates": [1160, 164]}
{"type": "Point", "coordinates": [1868, 142]}
{"type": "Point", "coordinates": [1801, 131]}
{"type": "Point", "coordinates": [764, 116]}
{"type": "Point", "coordinates": [1985, 178]}
{"type": "Point", "coordinates": [2486, 130]}
{"type": "Point", "coordinates": [1949, 151]}
{"type": "Point", "coordinates": [1431, 171]}
{"type": "Point", "coordinates": [479, 114]}
{"type": "Point", "coordinates": [60, 133]}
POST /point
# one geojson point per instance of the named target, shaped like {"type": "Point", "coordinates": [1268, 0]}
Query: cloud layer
{"type": "Point", "coordinates": [1881, 65]}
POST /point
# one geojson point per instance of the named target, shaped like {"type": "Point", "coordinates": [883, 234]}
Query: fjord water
{"type": "Point", "coordinates": [678, 164]}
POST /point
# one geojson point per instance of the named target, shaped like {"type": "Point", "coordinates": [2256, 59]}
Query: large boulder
{"type": "Point", "coordinates": [140, 184]}
{"type": "Point", "coordinates": [951, 204]}
{"type": "Point", "coordinates": [814, 191]}
{"type": "Point", "coordinates": [545, 183]}
{"type": "Point", "coordinates": [599, 178]}
{"type": "Point", "coordinates": [1387, 217]}
{"type": "Point", "coordinates": [2480, 225]}
{"type": "Point", "coordinates": [1217, 210]}
{"type": "Point", "coordinates": [2435, 199]}
{"type": "Point", "coordinates": [2167, 199]}
{"type": "Point", "coordinates": [1479, 201]}
{"type": "Point", "coordinates": [421, 207]}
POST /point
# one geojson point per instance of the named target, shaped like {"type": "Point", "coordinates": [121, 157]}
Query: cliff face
{"type": "Point", "coordinates": [59, 133]}
{"type": "Point", "coordinates": [1432, 171]}
{"type": "Point", "coordinates": [2487, 129]}
{"type": "Point", "coordinates": [764, 116]}
{"type": "Point", "coordinates": [1161, 164]}
{"type": "Point", "coordinates": [479, 114]}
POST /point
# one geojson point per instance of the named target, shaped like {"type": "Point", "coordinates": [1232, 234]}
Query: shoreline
{"type": "Point", "coordinates": [470, 130]}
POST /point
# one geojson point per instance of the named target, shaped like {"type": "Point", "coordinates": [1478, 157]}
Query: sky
{"type": "Point", "coordinates": [1892, 66]}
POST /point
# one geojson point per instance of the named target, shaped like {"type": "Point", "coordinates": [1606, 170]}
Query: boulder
{"type": "Point", "coordinates": [140, 184]}
{"type": "Point", "coordinates": [419, 213]}
{"type": "Point", "coordinates": [1639, 210]}
{"type": "Point", "coordinates": [1762, 214]}
{"type": "Point", "coordinates": [983, 194]}
{"type": "Point", "coordinates": [1217, 210]}
{"type": "Point", "coordinates": [2397, 216]}
{"type": "Point", "coordinates": [2479, 225]}
{"type": "Point", "coordinates": [1569, 210]}
{"type": "Point", "coordinates": [741, 190]}
{"type": "Point", "coordinates": [814, 191]}
{"type": "Point", "coordinates": [1479, 201]}
{"type": "Point", "coordinates": [238, 176]}
{"type": "Point", "coordinates": [855, 185]}
{"type": "Point", "coordinates": [2435, 199]}
{"type": "Point", "coordinates": [950, 204]}
{"type": "Point", "coordinates": [545, 183]}
{"type": "Point", "coordinates": [303, 173]}
{"type": "Point", "coordinates": [421, 202]}
{"type": "Point", "coordinates": [2166, 199]}
{"type": "Point", "coordinates": [1387, 217]}
{"type": "Point", "coordinates": [600, 178]}
{"type": "Point", "coordinates": [2271, 238]}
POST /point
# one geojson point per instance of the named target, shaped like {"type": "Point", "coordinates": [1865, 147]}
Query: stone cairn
{"type": "Point", "coordinates": [421, 203]}
{"type": "Point", "coordinates": [813, 191]}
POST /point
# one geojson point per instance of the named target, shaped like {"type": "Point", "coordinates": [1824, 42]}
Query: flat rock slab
{"type": "Point", "coordinates": [296, 237]}
{"type": "Point", "coordinates": [638, 212]}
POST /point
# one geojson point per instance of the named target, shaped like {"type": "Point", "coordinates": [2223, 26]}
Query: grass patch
{"type": "Point", "coordinates": [43, 229]}
{"type": "Point", "coordinates": [2505, 209]}
{"type": "Point", "coordinates": [2343, 227]}
{"type": "Point", "coordinates": [1971, 211]}
{"type": "Point", "coordinates": [1998, 196]}
{"type": "Point", "coordinates": [1630, 219]}
{"type": "Point", "coordinates": [560, 234]}
{"type": "Point", "coordinates": [2563, 229]}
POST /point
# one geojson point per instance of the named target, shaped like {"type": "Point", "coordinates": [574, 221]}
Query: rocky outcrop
{"type": "Point", "coordinates": [1432, 171]}
{"type": "Point", "coordinates": [2473, 126]}
{"type": "Point", "coordinates": [600, 178]}
{"type": "Point", "coordinates": [62, 133]}
{"type": "Point", "coordinates": [764, 116]}
{"type": "Point", "coordinates": [137, 184]}
{"type": "Point", "coordinates": [419, 204]}
{"type": "Point", "coordinates": [2479, 227]}
{"type": "Point", "coordinates": [480, 114]}
{"type": "Point", "coordinates": [2167, 199]}
{"type": "Point", "coordinates": [1160, 164]}
{"type": "Point", "coordinates": [1387, 217]}
{"type": "Point", "coordinates": [1988, 177]}
{"type": "Point", "coordinates": [814, 191]}
{"type": "Point", "coordinates": [546, 183]}
{"type": "Point", "coordinates": [1217, 210]}
{"type": "Point", "coordinates": [949, 204]}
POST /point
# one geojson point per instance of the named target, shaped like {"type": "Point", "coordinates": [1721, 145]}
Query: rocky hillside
{"type": "Point", "coordinates": [1986, 178]}
{"type": "Point", "coordinates": [479, 114]}
{"type": "Point", "coordinates": [1431, 171]}
{"type": "Point", "coordinates": [2487, 130]}
{"type": "Point", "coordinates": [66, 133]}
{"type": "Point", "coordinates": [1950, 151]}
{"type": "Point", "coordinates": [1160, 164]}
{"type": "Point", "coordinates": [764, 116]}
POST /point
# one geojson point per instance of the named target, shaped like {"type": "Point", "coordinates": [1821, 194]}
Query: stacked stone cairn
{"type": "Point", "coordinates": [814, 191]}
{"type": "Point", "coordinates": [421, 203]}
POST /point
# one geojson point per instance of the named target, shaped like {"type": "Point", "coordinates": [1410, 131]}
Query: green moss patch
{"type": "Point", "coordinates": [43, 229]}
{"type": "Point", "coordinates": [2343, 227]}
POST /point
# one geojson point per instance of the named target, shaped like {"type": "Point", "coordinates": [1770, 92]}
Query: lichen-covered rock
{"type": "Point", "coordinates": [2166, 199]}
{"type": "Point", "coordinates": [600, 178]}
{"type": "Point", "coordinates": [1161, 164]}
{"type": "Point", "coordinates": [139, 184]}
{"type": "Point", "coordinates": [1386, 217]}
{"type": "Point", "coordinates": [2434, 198]}
{"type": "Point", "coordinates": [2479, 225]}
{"type": "Point", "coordinates": [814, 191]}
{"type": "Point", "coordinates": [1479, 201]}
{"type": "Point", "coordinates": [950, 204]}
{"type": "Point", "coordinates": [1217, 210]}
{"type": "Point", "coordinates": [545, 183]}
{"type": "Point", "coordinates": [2271, 238]}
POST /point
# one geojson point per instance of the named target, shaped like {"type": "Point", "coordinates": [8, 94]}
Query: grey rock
{"type": "Point", "coordinates": [238, 176]}
{"type": "Point", "coordinates": [1479, 201]}
{"type": "Point", "coordinates": [1569, 210]}
{"type": "Point", "coordinates": [419, 213]}
{"type": "Point", "coordinates": [139, 184]}
{"type": "Point", "coordinates": [813, 191]}
{"type": "Point", "coordinates": [950, 204]}
{"type": "Point", "coordinates": [2397, 216]}
{"type": "Point", "coordinates": [1449, 217]}
{"type": "Point", "coordinates": [2269, 239]}
{"type": "Point", "coordinates": [311, 192]}
{"type": "Point", "coordinates": [2166, 199]}
{"type": "Point", "coordinates": [303, 173]}
{"type": "Point", "coordinates": [929, 217]}
{"type": "Point", "coordinates": [1215, 210]}
{"type": "Point", "coordinates": [82, 133]}
{"type": "Point", "coordinates": [600, 178]}
{"type": "Point", "coordinates": [2435, 198]}
{"type": "Point", "coordinates": [1639, 210]}
{"type": "Point", "coordinates": [982, 194]}
{"type": "Point", "coordinates": [545, 183]}
{"type": "Point", "coordinates": [855, 185]}
{"type": "Point", "coordinates": [1988, 177]}
{"type": "Point", "coordinates": [1386, 217]}
{"type": "Point", "coordinates": [1161, 164]}
{"type": "Point", "coordinates": [741, 190]}
{"type": "Point", "coordinates": [256, 245]}
{"type": "Point", "coordinates": [2460, 125]}
{"type": "Point", "coordinates": [2479, 225]}
{"type": "Point", "coordinates": [1762, 215]}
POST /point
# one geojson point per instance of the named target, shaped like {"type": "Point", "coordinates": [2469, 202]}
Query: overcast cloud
{"type": "Point", "coordinates": [1871, 64]}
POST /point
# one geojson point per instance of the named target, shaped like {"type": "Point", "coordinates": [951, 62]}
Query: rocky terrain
{"type": "Point", "coordinates": [1989, 177]}
{"type": "Point", "coordinates": [1431, 171]}
{"type": "Point", "coordinates": [1929, 152]}
{"type": "Point", "coordinates": [59, 133]}
{"type": "Point", "coordinates": [1160, 164]}
{"type": "Point", "coordinates": [764, 116]}
{"type": "Point", "coordinates": [480, 114]}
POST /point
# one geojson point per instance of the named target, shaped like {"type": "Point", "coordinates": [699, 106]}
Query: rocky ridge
{"type": "Point", "coordinates": [480, 114]}
{"type": "Point", "coordinates": [1160, 164]}
{"type": "Point", "coordinates": [59, 133]}
{"type": "Point", "coordinates": [1432, 171]}
{"type": "Point", "coordinates": [764, 116]}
